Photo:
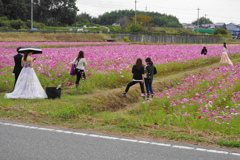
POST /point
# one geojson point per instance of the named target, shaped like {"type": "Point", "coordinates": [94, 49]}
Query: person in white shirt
{"type": "Point", "coordinates": [80, 63]}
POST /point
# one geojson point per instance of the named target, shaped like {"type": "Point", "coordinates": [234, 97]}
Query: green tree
{"type": "Point", "coordinates": [142, 19]}
{"type": "Point", "coordinates": [35, 25]}
{"type": "Point", "coordinates": [1, 8]}
{"type": "Point", "coordinates": [202, 21]}
{"type": "Point", "coordinates": [83, 16]}
{"type": "Point", "coordinates": [123, 21]}
{"type": "Point", "coordinates": [109, 18]}
{"type": "Point", "coordinates": [135, 27]}
{"type": "Point", "coordinates": [50, 12]}
{"type": "Point", "coordinates": [17, 24]}
{"type": "Point", "coordinates": [4, 22]}
{"type": "Point", "coordinates": [220, 31]}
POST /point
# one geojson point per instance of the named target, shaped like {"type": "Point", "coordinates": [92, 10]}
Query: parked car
{"type": "Point", "coordinates": [236, 34]}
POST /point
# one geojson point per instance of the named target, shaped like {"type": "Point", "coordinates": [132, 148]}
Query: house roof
{"type": "Point", "coordinates": [219, 24]}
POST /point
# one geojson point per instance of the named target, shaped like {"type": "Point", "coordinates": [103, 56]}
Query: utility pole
{"type": "Point", "coordinates": [135, 12]}
{"type": "Point", "coordinates": [31, 14]}
{"type": "Point", "coordinates": [205, 19]}
{"type": "Point", "coordinates": [198, 18]}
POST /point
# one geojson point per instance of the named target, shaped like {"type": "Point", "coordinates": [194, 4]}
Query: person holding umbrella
{"type": "Point", "coordinates": [27, 85]}
{"type": "Point", "coordinates": [18, 65]}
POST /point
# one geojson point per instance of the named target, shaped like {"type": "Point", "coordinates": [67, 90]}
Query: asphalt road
{"type": "Point", "coordinates": [31, 142]}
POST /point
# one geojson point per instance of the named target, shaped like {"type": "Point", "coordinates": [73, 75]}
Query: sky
{"type": "Point", "coordinates": [218, 11]}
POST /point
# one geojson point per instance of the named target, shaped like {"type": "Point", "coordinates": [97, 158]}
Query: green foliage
{"type": "Point", "coordinates": [158, 19]}
{"type": "Point", "coordinates": [135, 28]}
{"type": "Point", "coordinates": [125, 39]}
{"type": "Point", "coordinates": [4, 18]}
{"type": "Point", "coordinates": [35, 25]}
{"type": "Point", "coordinates": [50, 12]}
{"type": "Point", "coordinates": [157, 118]}
{"type": "Point", "coordinates": [83, 22]}
{"type": "Point", "coordinates": [229, 143]}
{"type": "Point", "coordinates": [83, 19]}
{"type": "Point", "coordinates": [142, 19]}
{"type": "Point", "coordinates": [69, 112]}
{"type": "Point", "coordinates": [5, 22]}
{"type": "Point", "coordinates": [116, 28]}
{"type": "Point", "coordinates": [221, 31]}
{"type": "Point", "coordinates": [17, 24]}
{"type": "Point", "coordinates": [202, 21]}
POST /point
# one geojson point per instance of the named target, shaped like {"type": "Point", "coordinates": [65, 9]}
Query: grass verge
{"type": "Point", "coordinates": [105, 110]}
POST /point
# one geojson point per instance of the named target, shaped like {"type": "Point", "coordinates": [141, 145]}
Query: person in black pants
{"type": "Point", "coordinates": [18, 65]}
{"type": "Point", "coordinates": [138, 77]}
{"type": "Point", "coordinates": [80, 63]}
{"type": "Point", "coordinates": [150, 71]}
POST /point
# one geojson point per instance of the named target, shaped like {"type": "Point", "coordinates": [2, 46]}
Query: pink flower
{"type": "Point", "coordinates": [200, 117]}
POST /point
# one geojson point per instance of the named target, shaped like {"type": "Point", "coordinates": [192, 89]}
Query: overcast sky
{"type": "Point", "coordinates": [227, 11]}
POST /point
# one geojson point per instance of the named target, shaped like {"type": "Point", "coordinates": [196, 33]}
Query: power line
{"type": "Point", "coordinates": [198, 17]}
{"type": "Point", "coordinates": [31, 14]}
{"type": "Point", "coordinates": [135, 12]}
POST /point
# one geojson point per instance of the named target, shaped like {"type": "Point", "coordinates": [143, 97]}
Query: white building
{"type": "Point", "coordinates": [232, 26]}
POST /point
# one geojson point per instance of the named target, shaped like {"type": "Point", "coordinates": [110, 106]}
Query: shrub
{"type": "Point", "coordinates": [125, 39]}
{"type": "Point", "coordinates": [35, 25]}
{"type": "Point", "coordinates": [17, 24]}
{"type": "Point", "coordinates": [220, 31]}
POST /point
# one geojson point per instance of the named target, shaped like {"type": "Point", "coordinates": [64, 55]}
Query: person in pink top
{"type": "Point", "coordinates": [224, 57]}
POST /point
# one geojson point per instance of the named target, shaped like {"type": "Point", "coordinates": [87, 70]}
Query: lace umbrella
{"type": "Point", "coordinates": [35, 50]}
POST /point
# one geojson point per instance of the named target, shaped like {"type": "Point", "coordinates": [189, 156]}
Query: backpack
{"type": "Point", "coordinates": [150, 71]}
{"type": "Point", "coordinates": [155, 71]}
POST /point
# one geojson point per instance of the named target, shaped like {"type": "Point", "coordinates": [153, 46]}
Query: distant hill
{"type": "Point", "coordinates": [161, 20]}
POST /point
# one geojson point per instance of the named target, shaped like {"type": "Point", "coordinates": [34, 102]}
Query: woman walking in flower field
{"type": "Point", "coordinates": [80, 63]}
{"type": "Point", "coordinates": [224, 57]}
{"type": "Point", "coordinates": [138, 77]}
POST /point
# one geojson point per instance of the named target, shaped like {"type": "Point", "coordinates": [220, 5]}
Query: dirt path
{"type": "Point", "coordinates": [112, 100]}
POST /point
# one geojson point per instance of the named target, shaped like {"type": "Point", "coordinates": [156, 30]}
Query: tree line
{"type": "Point", "coordinates": [49, 12]}
{"type": "Point", "coordinates": [64, 13]}
{"type": "Point", "coordinates": [158, 19]}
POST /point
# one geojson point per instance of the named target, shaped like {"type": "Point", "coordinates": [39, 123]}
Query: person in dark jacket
{"type": "Point", "coordinates": [18, 65]}
{"type": "Point", "coordinates": [138, 77]}
{"type": "Point", "coordinates": [150, 70]}
{"type": "Point", "coordinates": [204, 50]}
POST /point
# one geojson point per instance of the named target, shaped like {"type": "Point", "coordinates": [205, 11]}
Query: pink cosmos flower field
{"type": "Point", "coordinates": [105, 58]}
{"type": "Point", "coordinates": [212, 98]}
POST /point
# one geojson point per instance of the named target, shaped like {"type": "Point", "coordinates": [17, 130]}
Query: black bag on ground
{"type": "Point", "coordinates": [53, 92]}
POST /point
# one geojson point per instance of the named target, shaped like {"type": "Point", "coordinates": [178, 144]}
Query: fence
{"type": "Point", "coordinates": [169, 38]}
{"type": "Point", "coordinates": [143, 37]}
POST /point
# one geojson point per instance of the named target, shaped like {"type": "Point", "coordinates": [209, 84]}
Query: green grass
{"type": "Point", "coordinates": [97, 105]}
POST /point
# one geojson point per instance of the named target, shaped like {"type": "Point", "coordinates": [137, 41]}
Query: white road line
{"type": "Point", "coordinates": [120, 139]}
{"type": "Point", "coordinates": [182, 147]}
{"type": "Point", "coordinates": [161, 144]}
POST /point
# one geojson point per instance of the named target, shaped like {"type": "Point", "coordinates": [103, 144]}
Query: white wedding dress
{"type": "Point", "coordinates": [225, 58]}
{"type": "Point", "coordinates": [27, 85]}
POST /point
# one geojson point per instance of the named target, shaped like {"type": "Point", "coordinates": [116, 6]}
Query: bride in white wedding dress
{"type": "Point", "coordinates": [27, 85]}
